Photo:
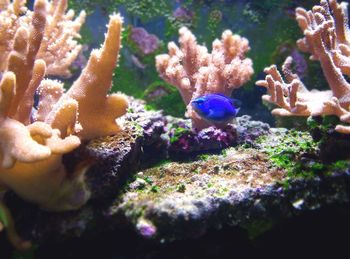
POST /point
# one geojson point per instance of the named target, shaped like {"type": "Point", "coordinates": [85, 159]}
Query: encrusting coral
{"type": "Point", "coordinates": [58, 46]}
{"type": "Point", "coordinates": [195, 72]}
{"type": "Point", "coordinates": [32, 143]}
{"type": "Point", "coordinates": [327, 38]}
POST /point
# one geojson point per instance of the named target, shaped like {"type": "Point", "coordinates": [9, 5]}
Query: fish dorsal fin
{"type": "Point", "coordinates": [235, 102]}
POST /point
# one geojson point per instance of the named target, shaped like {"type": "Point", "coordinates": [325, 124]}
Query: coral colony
{"type": "Point", "coordinates": [195, 72]}
{"type": "Point", "coordinates": [327, 39]}
{"type": "Point", "coordinates": [32, 145]}
{"type": "Point", "coordinates": [42, 124]}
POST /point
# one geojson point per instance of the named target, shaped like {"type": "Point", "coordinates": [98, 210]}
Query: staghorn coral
{"type": "Point", "coordinates": [326, 38]}
{"type": "Point", "coordinates": [32, 145]}
{"type": "Point", "coordinates": [58, 46]}
{"type": "Point", "coordinates": [195, 72]}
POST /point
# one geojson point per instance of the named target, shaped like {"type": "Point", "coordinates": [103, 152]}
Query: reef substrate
{"type": "Point", "coordinates": [258, 183]}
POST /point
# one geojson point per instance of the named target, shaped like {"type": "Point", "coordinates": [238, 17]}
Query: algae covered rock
{"type": "Point", "coordinates": [241, 188]}
{"type": "Point", "coordinates": [111, 160]}
{"type": "Point", "coordinates": [184, 200]}
{"type": "Point", "coordinates": [114, 158]}
{"type": "Point", "coordinates": [184, 141]}
{"type": "Point", "coordinates": [333, 145]}
{"type": "Point", "coordinates": [250, 188]}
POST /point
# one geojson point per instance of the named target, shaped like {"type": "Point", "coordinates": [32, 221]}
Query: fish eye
{"type": "Point", "coordinates": [198, 101]}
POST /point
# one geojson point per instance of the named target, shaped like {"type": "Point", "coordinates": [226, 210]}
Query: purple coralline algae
{"type": "Point", "coordinates": [183, 140]}
{"type": "Point", "coordinates": [146, 42]}
{"type": "Point", "coordinates": [182, 14]}
{"type": "Point", "coordinates": [146, 229]}
{"type": "Point", "coordinates": [151, 122]}
{"type": "Point", "coordinates": [81, 61]}
{"type": "Point", "coordinates": [249, 130]}
{"type": "Point", "coordinates": [300, 63]}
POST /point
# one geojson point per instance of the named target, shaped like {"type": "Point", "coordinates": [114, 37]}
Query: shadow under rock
{"type": "Point", "coordinates": [313, 233]}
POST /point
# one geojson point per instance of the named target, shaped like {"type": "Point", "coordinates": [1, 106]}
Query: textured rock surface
{"type": "Point", "coordinates": [238, 189]}
{"type": "Point", "coordinates": [334, 145]}
{"type": "Point", "coordinates": [176, 201]}
{"type": "Point", "coordinates": [114, 158]}
{"type": "Point", "coordinates": [184, 141]}
{"type": "Point", "coordinates": [153, 125]}
{"type": "Point", "coordinates": [112, 161]}
{"type": "Point", "coordinates": [249, 130]}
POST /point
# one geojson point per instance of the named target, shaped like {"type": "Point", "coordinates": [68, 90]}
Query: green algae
{"type": "Point", "coordinates": [3, 217]}
{"type": "Point", "coordinates": [204, 157]}
{"type": "Point", "coordinates": [286, 152]}
{"type": "Point", "coordinates": [178, 133]}
{"type": "Point", "coordinates": [169, 100]}
{"type": "Point", "coordinates": [145, 9]}
{"type": "Point", "coordinates": [297, 153]}
{"type": "Point", "coordinates": [181, 187]}
{"type": "Point", "coordinates": [176, 177]}
{"type": "Point", "coordinates": [327, 123]}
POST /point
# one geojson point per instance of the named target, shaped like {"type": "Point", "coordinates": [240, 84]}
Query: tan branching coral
{"type": "Point", "coordinates": [97, 110]}
{"type": "Point", "coordinates": [11, 18]}
{"type": "Point", "coordinates": [32, 144]}
{"type": "Point", "coordinates": [58, 46]}
{"type": "Point", "coordinates": [195, 72]}
{"type": "Point", "coordinates": [327, 38]}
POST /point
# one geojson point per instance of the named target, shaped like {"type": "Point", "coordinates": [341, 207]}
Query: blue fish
{"type": "Point", "coordinates": [216, 108]}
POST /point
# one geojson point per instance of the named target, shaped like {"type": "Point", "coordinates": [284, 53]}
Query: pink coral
{"type": "Point", "coordinates": [195, 72]}
{"type": "Point", "coordinates": [327, 38]}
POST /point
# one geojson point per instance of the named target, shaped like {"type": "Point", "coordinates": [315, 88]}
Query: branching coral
{"type": "Point", "coordinates": [90, 90]}
{"type": "Point", "coordinates": [58, 47]}
{"type": "Point", "coordinates": [29, 148]}
{"type": "Point", "coordinates": [32, 145]}
{"type": "Point", "coordinates": [195, 72]}
{"type": "Point", "coordinates": [327, 38]}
